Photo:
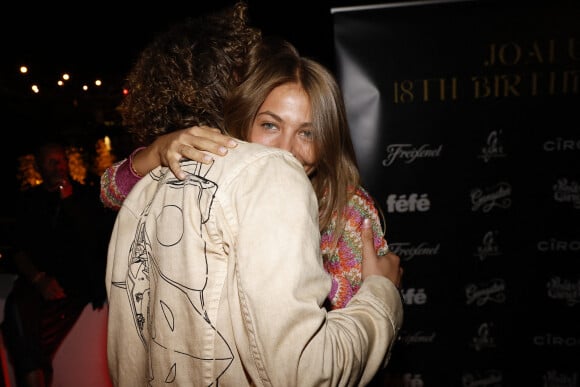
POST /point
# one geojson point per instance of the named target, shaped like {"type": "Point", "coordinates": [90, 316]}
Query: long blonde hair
{"type": "Point", "coordinates": [274, 63]}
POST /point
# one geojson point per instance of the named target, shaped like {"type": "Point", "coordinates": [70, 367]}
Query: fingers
{"type": "Point", "coordinates": [391, 266]}
{"type": "Point", "coordinates": [388, 265]}
{"type": "Point", "coordinates": [369, 256]}
{"type": "Point", "coordinates": [368, 245]}
{"type": "Point", "coordinates": [396, 262]}
{"type": "Point", "coordinates": [197, 143]}
{"type": "Point", "coordinates": [211, 139]}
{"type": "Point", "coordinates": [175, 167]}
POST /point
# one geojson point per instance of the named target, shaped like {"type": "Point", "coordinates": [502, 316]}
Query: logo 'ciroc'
{"type": "Point", "coordinates": [554, 244]}
{"type": "Point", "coordinates": [560, 144]}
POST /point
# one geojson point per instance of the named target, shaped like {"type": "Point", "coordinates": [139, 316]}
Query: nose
{"type": "Point", "coordinates": [286, 143]}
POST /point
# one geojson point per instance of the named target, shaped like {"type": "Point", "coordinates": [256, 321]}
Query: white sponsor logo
{"type": "Point", "coordinates": [483, 339]}
{"type": "Point", "coordinates": [414, 202]}
{"type": "Point", "coordinates": [560, 144]}
{"type": "Point", "coordinates": [406, 251]}
{"type": "Point", "coordinates": [551, 340]}
{"type": "Point", "coordinates": [554, 378]}
{"type": "Point", "coordinates": [493, 148]}
{"type": "Point", "coordinates": [412, 380]}
{"type": "Point", "coordinates": [409, 153]}
{"type": "Point", "coordinates": [554, 244]}
{"type": "Point", "coordinates": [418, 338]}
{"type": "Point", "coordinates": [565, 192]}
{"type": "Point", "coordinates": [413, 296]}
{"type": "Point", "coordinates": [488, 246]}
{"type": "Point", "coordinates": [497, 196]}
{"type": "Point", "coordinates": [559, 289]}
{"type": "Point", "coordinates": [489, 378]}
{"type": "Point", "coordinates": [494, 291]}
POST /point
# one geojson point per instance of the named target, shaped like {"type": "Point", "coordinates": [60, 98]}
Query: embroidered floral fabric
{"type": "Point", "coordinates": [116, 183]}
{"type": "Point", "coordinates": [344, 264]}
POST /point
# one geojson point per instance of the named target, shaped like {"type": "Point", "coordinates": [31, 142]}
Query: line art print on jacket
{"type": "Point", "coordinates": [158, 291]}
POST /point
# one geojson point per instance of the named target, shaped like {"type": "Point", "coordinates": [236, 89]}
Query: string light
{"type": "Point", "coordinates": [63, 79]}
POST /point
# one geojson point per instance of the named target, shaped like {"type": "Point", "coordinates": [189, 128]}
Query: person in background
{"type": "Point", "coordinates": [210, 276]}
{"type": "Point", "coordinates": [59, 256]}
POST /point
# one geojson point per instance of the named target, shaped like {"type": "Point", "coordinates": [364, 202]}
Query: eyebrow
{"type": "Point", "coordinates": [269, 113]}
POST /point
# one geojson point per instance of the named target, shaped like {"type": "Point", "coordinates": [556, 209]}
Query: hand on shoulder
{"type": "Point", "coordinates": [198, 143]}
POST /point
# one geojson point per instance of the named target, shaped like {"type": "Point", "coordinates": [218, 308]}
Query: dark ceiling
{"type": "Point", "coordinates": [102, 41]}
{"type": "Point", "coordinates": [105, 40]}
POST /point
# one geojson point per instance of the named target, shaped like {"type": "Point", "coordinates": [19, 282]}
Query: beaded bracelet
{"type": "Point", "coordinates": [131, 167]}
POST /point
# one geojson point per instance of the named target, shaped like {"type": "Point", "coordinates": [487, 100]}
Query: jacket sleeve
{"type": "Point", "coordinates": [281, 286]}
{"type": "Point", "coordinates": [116, 183]}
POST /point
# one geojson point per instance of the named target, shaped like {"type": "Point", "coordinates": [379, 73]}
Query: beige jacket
{"type": "Point", "coordinates": [218, 281]}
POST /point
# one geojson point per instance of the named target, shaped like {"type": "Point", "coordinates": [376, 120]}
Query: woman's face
{"type": "Point", "coordinates": [284, 121]}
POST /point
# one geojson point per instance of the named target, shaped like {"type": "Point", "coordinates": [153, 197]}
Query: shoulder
{"type": "Point", "coordinates": [248, 168]}
{"type": "Point", "coordinates": [360, 192]}
{"type": "Point", "coordinates": [362, 200]}
{"type": "Point", "coordinates": [251, 158]}
{"type": "Point", "coordinates": [253, 151]}
{"type": "Point", "coordinates": [264, 173]}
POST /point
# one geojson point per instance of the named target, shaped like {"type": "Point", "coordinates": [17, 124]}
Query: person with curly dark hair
{"type": "Point", "coordinates": [179, 81]}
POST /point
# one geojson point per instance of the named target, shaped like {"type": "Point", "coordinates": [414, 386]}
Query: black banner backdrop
{"type": "Point", "coordinates": [466, 122]}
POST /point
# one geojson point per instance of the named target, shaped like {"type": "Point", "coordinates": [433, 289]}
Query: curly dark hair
{"type": "Point", "coordinates": [183, 76]}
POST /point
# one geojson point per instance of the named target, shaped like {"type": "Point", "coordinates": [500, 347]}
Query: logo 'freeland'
{"type": "Point", "coordinates": [408, 153]}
